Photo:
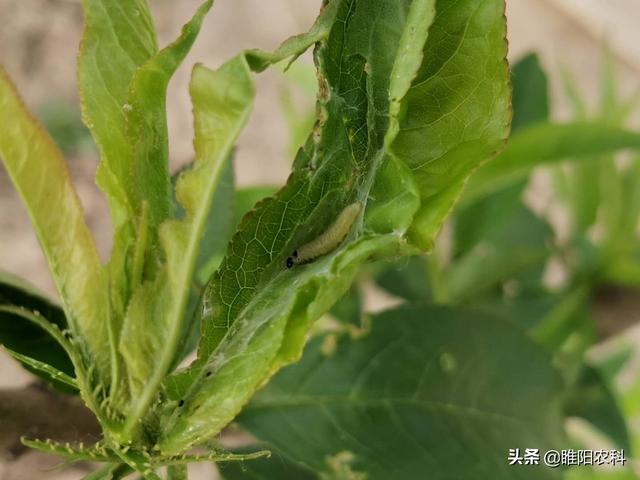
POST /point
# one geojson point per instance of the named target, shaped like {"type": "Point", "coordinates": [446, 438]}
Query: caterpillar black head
{"type": "Point", "coordinates": [291, 261]}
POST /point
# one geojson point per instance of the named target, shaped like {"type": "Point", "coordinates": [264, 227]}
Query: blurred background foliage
{"type": "Point", "coordinates": [550, 267]}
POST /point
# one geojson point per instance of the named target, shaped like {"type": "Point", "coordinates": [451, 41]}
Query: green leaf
{"type": "Point", "coordinates": [428, 390]}
{"type": "Point", "coordinates": [110, 472]}
{"type": "Point", "coordinates": [592, 188]}
{"type": "Point", "coordinates": [349, 309]}
{"type": "Point", "coordinates": [227, 209]}
{"type": "Point", "coordinates": [518, 245]}
{"type": "Point", "coordinates": [215, 456]}
{"type": "Point", "coordinates": [621, 229]}
{"type": "Point", "coordinates": [118, 38]}
{"type": "Point", "coordinates": [53, 375]}
{"type": "Point", "coordinates": [24, 337]}
{"type": "Point", "coordinates": [256, 312]}
{"type": "Point", "coordinates": [456, 114]}
{"type": "Point", "coordinates": [145, 116]}
{"type": "Point", "coordinates": [44, 324]}
{"type": "Point", "coordinates": [592, 399]}
{"type": "Point", "coordinates": [123, 80]}
{"type": "Point", "coordinates": [530, 105]}
{"type": "Point", "coordinates": [584, 191]}
{"type": "Point", "coordinates": [39, 173]}
{"type": "Point", "coordinates": [72, 452]}
{"type": "Point", "coordinates": [567, 314]}
{"type": "Point", "coordinates": [217, 231]}
{"type": "Point", "coordinates": [275, 467]}
{"type": "Point", "coordinates": [530, 92]}
{"type": "Point", "coordinates": [551, 318]}
{"type": "Point", "coordinates": [574, 96]}
{"type": "Point", "coordinates": [406, 278]}
{"type": "Point", "coordinates": [295, 46]}
{"type": "Point", "coordinates": [218, 227]}
{"type": "Point", "coordinates": [177, 472]}
{"type": "Point", "coordinates": [547, 143]}
{"type": "Point", "coordinates": [471, 226]}
{"type": "Point", "coordinates": [247, 199]}
{"type": "Point", "coordinates": [63, 123]}
{"type": "Point", "coordinates": [592, 473]}
{"type": "Point", "coordinates": [624, 271]}
{"type": "Point", "coordinates": [222, 102]}
{"type": "Point", "coordinates": [299, 88]}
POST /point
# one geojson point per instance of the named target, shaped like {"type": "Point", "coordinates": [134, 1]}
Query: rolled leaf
{"type": "Point", "coordinates": [256, 313]}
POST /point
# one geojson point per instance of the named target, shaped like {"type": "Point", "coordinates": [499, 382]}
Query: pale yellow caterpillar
{"type": "Point", "coordinates": [329, 240]}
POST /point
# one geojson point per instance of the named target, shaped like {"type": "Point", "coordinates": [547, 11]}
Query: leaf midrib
{"type": "Point", "coordinates": [323, 401]}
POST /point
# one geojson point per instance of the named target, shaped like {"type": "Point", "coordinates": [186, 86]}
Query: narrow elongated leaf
{"type": "Point", "coordinates": [222, 101]}
{"type": "Point", "coordinates": [567, 313]}
{"type": "Point", "coordinates": [109, 472]}
{"type": "Point", "coordinates": [256, 312]}
{"type": "Point", "coordinates": [547, 143]}
{"type": "Point", "coordinates": [219, 226]}
{"type": "Point", "coordinates": [73, 452]}
{"type": "Point", "coordinates": [427, 390]}
{"type": "Point", "coordinates": [118, 38]}
{"type": "Point", "coordinates": [592, 399]}
{"type": "Point", "coordinates": [259, 60]}
{"type": "Point", "coordinates": [40, 175]}
{"type": "Point", "coordinates": [530, 92]}
{"type": "Point", "coordinates": [52, 374]}
{"type": "Point", "coordinates": [147, 125]}
{"type": "Point", "coordinates": [21, 335]}
{"type": "Point", "coordinates": [37, 319]}
{"type": "Point", "coordinates": [593, 185]}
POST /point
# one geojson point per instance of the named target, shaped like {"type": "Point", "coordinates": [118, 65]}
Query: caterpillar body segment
{"type": "Point", "coordinates": [329, 240]}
